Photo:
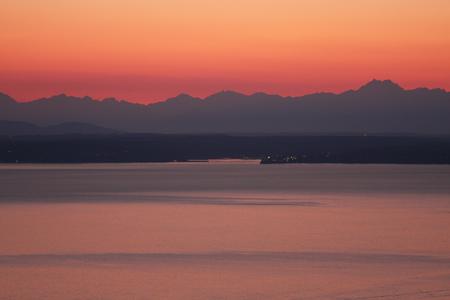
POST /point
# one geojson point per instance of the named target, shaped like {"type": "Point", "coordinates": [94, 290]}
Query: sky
{"type": "Point", "coordinates": [147, 50]}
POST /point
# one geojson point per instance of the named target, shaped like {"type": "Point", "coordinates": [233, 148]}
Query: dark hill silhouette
{"type": "Point", "coordinates": [377, 107]}
{"type": "Point", "coordinates": [14, 128]}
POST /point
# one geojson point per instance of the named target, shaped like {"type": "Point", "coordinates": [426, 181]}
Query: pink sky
{"type": "Point", "coordinates": [146, 51]}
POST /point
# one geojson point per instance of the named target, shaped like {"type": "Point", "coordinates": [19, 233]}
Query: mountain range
{"type": "Point", "coordinates": [380, 107]}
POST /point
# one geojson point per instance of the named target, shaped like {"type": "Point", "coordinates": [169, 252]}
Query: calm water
{"type": "Point", "coordinates": [224, 230]}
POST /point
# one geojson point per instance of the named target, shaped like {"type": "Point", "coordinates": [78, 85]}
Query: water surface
{"type": "Point", "coordinates": [224, 230]}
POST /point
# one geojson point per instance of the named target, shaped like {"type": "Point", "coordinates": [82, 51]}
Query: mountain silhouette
{"type": "Point", "coordinates": [376, 107]}
{"type": "Point", "coordinates": [6, 100]}
{"type": "Point", "coordinates": [381, 87]}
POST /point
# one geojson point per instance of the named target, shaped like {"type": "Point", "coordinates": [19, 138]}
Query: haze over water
{"type": "Point", "coordinates": [224, 230]}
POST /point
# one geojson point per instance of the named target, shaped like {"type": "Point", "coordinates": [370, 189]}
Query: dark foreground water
{"type": "Point", "coordinates": [224, 230]}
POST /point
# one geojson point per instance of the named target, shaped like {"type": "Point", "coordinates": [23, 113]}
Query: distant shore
{"type": "Point", "coordinates": [280, 149]}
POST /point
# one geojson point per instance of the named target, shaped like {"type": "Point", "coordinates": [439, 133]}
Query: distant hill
{"type": "Point", "coordinates": [381, 107]}
{"type": "Point", "coordinates": [15, 128]}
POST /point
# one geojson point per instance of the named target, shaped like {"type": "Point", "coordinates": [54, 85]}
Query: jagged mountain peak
{"type": "Point", "coordinates": [380, 86]}
{"type": "Point", "coordinates": [224, 95]}
{"type": "Point", "coordinates": [182, 97]}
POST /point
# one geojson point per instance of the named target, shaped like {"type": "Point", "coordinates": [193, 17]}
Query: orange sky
{"type": "Point", "coordinates": [148, 50]}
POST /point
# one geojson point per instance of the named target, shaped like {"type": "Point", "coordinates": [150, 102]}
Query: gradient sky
{"type": "Point", "coordinates": [146, 50]}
